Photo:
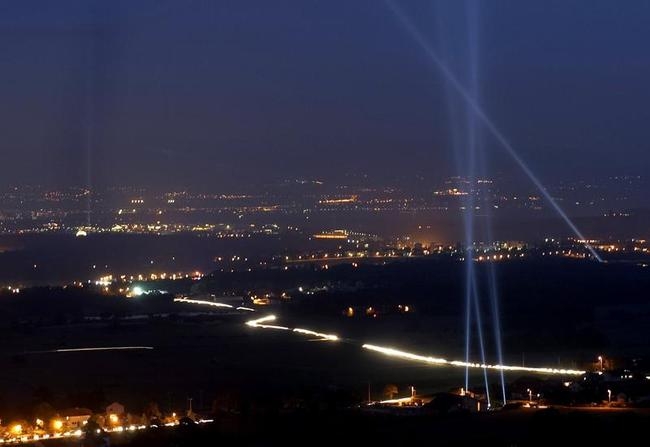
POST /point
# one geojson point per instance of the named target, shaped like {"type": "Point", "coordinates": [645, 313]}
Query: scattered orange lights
{"type": "Point", "coordinates": [339, 201]}
{"type": "Point", "coordinates": [336, 234]}
{"type": "Point", "coordinates": [18, 433]}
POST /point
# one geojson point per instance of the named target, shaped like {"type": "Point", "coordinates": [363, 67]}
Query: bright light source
{"type": "Point", "coordinates": [137, 291]}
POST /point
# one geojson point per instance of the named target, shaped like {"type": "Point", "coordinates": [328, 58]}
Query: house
{"type": "Point", "coordinates": [76, 417]}
{"type": "Point", "coordinates": [115, 408]}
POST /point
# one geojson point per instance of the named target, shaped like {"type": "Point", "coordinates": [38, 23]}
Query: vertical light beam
{"type": "Point", "coordinates": [468, 310]}
{"type": "Point", "coordinates": [473, 42]}
{"type": "Point", "coordinates": [479, 329]}
{"type": "Point", "coordinates": [487, 122]}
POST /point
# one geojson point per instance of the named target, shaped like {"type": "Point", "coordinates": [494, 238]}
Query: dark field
{"type": "Point", "coordinates": [554, 313]}
{"type": "Point", "coordinates": [520, 428]}
{"type": "Point", "coordinates": [207, 361]}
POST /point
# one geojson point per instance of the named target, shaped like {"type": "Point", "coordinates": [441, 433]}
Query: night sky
{"type": "Point", "coordinates": [215, 93]}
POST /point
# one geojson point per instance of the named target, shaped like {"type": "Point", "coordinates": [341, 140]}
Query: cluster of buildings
{"type": "Point", "coordinates": [73, 422]}
{"type": "Point", "coordinates": [608, 383]}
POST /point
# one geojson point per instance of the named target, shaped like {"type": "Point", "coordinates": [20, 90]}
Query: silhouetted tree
{"type": "Point", "coordinates": [390, 391]}
{"type": "Point", "coordinates": [152, 411]}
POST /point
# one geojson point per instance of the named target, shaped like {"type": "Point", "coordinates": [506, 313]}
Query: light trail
{"type": "Point", "coordinates": [203, 302]}
{"type": "Point", "coordinates": [487, 122]}
{"type": "Point", "coordinates": [404, 355]}
{"type": "Point", "coordinates": [106, 348]}
{"type": "Point", "coordinates": [259, 323]}
{"type": "Point", "coordinates": [247, 309]}
{"type": "Point", "coordinates": [329, 337]}
{"type": "Point", "coordinates": [392, 352]}
{"type": "Point", "coordinates": [213, 304]}
{"type": "Point", "coordinates": [272, 326]}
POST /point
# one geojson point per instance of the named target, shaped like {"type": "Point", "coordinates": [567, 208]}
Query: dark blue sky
{"type": "Point", "coordinates": [218, 92]}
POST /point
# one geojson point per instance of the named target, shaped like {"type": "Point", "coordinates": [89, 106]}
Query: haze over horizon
{"type": "Point", "coordinates": [214, 95]}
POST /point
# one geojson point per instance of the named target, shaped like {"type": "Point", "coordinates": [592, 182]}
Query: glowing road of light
{"type": "Point", "coordinates": [213, 304]}
{"type": "Point", "coordinates": [260, 323]}
{"type": "Point", "coordinates": [202, 302]}
{"type": "Point", "coordinates": [106, 348]}
{"type": "Point", "coordinates": [489, 124]}
{"type": "Point", "coordinates": [391, 352]}
{"type": "Point", "coordinates": [329, 337]}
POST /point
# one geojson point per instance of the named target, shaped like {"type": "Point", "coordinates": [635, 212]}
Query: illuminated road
{"type": "Point", "coordinates": [334, 259]}
{"type": "Point", "coordinates": [212, 304]}
{"type": "Point", "coordinates": [107, 348]}
{"type": "Point", "coordinates": [391, 352]}
{"type": "Point", "coordinates": [262, 323]}
{"type": "Point", "coordinates": [403, 355]}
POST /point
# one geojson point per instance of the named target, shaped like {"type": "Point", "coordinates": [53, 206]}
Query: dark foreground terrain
{"type": "Point", "coordinates": [523, 427]}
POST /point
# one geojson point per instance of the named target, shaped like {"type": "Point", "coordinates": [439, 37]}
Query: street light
{"type": "Point", "coordinates": [609, 396]}
{"type": "Point", "coordinates": [600, 359]}
{"type": "Point", "coordinates": [530, 395]}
